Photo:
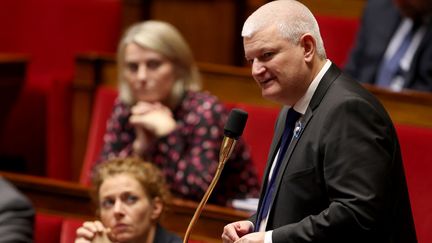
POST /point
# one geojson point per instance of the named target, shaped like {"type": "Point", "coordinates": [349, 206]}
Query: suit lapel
{"type": "Point", "coordinates": [275, 144]}
{"type": "Point", "coordinates": [329, 77]}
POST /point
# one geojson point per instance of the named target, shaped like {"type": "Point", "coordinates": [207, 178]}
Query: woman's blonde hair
{"type": "Point", "coordinates": [147, 174]}
{"type": "Point", "coordinates": [165, 39]}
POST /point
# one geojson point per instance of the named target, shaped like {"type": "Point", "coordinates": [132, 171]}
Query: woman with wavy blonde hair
{"type": "Point", "coordinates": [161, 116]}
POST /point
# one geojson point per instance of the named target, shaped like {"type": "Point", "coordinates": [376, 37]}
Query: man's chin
{"type": "Point", "coordinates": [268, 95]}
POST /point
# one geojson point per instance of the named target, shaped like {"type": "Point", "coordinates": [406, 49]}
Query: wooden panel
{"type": "Point", "coordinates": [210, 27]}
{"type": "Point", "coordinates": [12, 79]}
{"type": "Point", "coordinates": [232, 84]}
{"type": "Point", "coordinates": [213, 27]}
{"type": "Point", "coordinates": [340, 8]}
{"type": "Point", "coordinates": [134, 11]}
{"type": "Point", "coordinates": [337, 8]}
{"type": "Point", "coordinates": [73, 200]}
{"type": "Point", "coordinates": [407, 107]}
{"type": "Point", "coordinates": [13, 69]}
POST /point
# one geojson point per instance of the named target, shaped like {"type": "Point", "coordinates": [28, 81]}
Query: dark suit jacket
{"type": "Point", "coordinates": [379, 22]}
{"type": "Point", "coordinates": [342, 178]}
{"type": "Point", "coordinates": [16, 215]}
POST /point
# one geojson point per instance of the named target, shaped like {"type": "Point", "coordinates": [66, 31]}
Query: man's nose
{"type": "Point", "coordinates": [257, 68]}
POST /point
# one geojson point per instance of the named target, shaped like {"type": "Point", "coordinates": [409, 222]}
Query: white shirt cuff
{"type": "Point", "coordinates": [268, 236]}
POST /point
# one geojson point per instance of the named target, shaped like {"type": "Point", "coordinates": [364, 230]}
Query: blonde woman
{"type": "Point", "coordinates": [161, 116]}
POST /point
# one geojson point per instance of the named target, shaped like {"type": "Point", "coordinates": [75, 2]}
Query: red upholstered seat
{"type": "Point", "coordinates": [339, 34]}
{"type": "Point", "coordinates": [258, 132]}
{"type": "Point", "coordinates": [47, 228]}
{"type": "Point", "coordinates": [51, 33]}
{"type": "Point", "coordinates": [58, 118]}
{"type": "Point", "coordinates": [415, 143]}
{"type": "Point", "coordinates": [68, 230]}
{"type": "Point", "coordinates": [102, 108]}
{"type": "Point", "coordinates": [51, 228]}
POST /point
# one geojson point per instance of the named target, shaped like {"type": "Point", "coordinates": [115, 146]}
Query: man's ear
{"type": "Point", "coordinates": [157, 208]}
{"type": "Point", "coordinates": [309, 46]}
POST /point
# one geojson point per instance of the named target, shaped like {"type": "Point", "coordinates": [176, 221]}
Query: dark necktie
{"type": "Point", "coordinates": [291, 119]}
{"type": "Point", "coordinates": [391, 67]}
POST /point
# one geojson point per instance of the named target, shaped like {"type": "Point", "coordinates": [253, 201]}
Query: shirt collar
{"type": "Point", "coordinates": [303, 103]}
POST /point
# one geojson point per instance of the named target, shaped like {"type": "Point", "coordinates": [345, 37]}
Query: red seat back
{"type": "Point", "coordinates": [69, 228]}
{"type": "Point", "coordinates": [258, 132]}
{"type": "Point", "coordinates": [339, 34]}
{"type": "Point", "coordinates": [47, 228]}
{"type": "Point", "coordinates": [102, 108]}
{"type": "Point", "coordinates": [415, 143]}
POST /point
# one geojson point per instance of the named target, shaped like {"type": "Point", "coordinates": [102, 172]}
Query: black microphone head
{"type": "Point", "coordinates": [236, 123]}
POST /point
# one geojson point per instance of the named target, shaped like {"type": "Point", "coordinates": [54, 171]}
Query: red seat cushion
{"type": "Point", "coordinates": [415, 143]}
{"type": "Point", "coordinates": [339, 34]}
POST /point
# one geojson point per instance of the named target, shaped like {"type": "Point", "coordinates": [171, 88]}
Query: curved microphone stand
{"type": "Point", "coordinates": [232, 131]}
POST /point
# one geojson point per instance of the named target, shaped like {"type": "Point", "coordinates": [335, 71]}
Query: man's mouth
{"type": "Point", "coordinates": [266, 81]}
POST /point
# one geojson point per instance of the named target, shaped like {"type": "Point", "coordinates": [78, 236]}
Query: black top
{"type": "Point", "coordinates": [164, 236]}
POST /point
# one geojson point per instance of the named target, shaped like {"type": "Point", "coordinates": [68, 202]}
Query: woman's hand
{"type": "Point", "coordinates": [153, 117]}
{"type": "Point", "coordinates": [92, 232]}
{"type": "Point", "coordinates": [143, 139]}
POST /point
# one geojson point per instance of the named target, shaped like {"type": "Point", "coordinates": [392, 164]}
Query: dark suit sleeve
{"type": "Point", "coordinates": [16, 215]}
{"type": "Point", "coordinates": [356, 151]}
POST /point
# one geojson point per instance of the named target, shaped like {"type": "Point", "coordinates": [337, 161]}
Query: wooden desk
{"type": "Point", "coordinates": [73, 200]}
{"type": "Point", "coordinates": [407, 107]}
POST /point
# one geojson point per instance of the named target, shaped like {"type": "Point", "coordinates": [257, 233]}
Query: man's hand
{"type": "Point", "coordinates": [257, 237]}
{"type": "Point", "coordinates": [234, 231]}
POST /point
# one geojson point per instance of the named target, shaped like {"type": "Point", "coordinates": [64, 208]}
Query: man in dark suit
{"type": "Point", "coordinates": [384, 25]}
{"type": "Point", "coordinates": [341, 177]}
{"type": "Point", "coordinates": [16, 215]}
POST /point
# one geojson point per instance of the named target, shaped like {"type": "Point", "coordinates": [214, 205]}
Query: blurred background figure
{"type": "Point", "coordinates": [16, 215]}
{"type": "Point", "coordinates": [162, 117]}
{"type": "Point", "coordinates": [393, 46]}
{"type": "Point", "coordinates": [131, 196]}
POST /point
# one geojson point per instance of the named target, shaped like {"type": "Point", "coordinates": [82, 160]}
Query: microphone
{"type": "Point", "coordinates": [232, 131]}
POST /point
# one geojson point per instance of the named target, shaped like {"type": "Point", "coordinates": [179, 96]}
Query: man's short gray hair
{"type": "Point", "coordinates": [291, 18]}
